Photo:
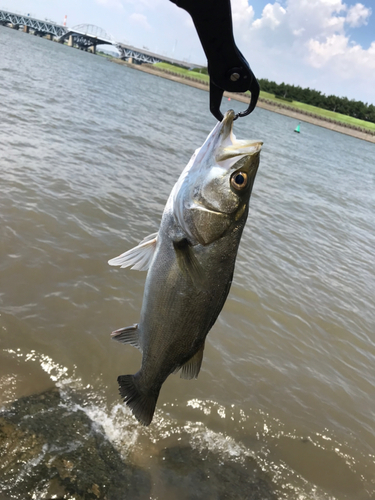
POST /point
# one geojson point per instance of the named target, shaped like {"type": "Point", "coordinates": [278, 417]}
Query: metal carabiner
{"type": "Point", "coordinates": [227, 67]}
{"type": "Point", "coordinates": [248, 82]}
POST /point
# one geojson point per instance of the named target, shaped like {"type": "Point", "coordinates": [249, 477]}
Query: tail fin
{"type": "Point", "coordinates": [142, 406]}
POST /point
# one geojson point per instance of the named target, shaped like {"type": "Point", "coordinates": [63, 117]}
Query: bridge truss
{"type": "Point", "coordinates": [135, 54]}
{"type": "Point", "coordinates": [84, 36]}
{"type": "Point", "coordinates": [38, 26]}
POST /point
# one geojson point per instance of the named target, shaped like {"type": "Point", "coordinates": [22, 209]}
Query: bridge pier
{"type": "Point", "coordinates": [70, 41]}
{"type": "Point", "coordinates": [26, 29]}
{"type": "Point", "coordinates": [93, 49]}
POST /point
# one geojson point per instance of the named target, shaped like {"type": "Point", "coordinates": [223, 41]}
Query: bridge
{"type": "Point", "coordinates": [87, 37]}
{"type": "Point", "coordinates": [84, 36]}
{"type": "Point", "coordinates": [38, 26]}
{"type": "Point", "coordinates": [128, 52]}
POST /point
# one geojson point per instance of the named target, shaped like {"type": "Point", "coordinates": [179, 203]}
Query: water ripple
{"type": "Point", "coordinates": [86, 169]}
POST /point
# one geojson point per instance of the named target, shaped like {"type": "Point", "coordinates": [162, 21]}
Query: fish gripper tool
{"type": "Point", "coordinates": [227, 67]}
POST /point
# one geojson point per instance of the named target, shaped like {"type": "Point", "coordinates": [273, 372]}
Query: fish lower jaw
{"type": "Point", "coordinates": [239, 148]}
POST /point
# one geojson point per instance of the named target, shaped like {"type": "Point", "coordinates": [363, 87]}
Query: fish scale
{"type": "Point", "coordinates": [190, 264]}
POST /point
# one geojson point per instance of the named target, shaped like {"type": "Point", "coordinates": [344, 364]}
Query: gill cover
{"type": "Point", "coordinates": [206, 202]}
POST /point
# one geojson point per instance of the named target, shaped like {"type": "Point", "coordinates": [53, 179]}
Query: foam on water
{"type": "Point", "coordinates": [135, 442]}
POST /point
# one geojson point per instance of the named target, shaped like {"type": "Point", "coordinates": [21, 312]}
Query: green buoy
{"type": "Point", "coordinates": [297, 129]}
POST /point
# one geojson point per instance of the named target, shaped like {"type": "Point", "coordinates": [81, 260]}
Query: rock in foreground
{"type": "Point", "coordinates": [48, 451]}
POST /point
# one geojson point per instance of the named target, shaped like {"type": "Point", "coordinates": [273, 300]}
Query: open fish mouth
{"type": "Point", "coordinates": [230, 146]}
{"type": "Point", "coordinates": [239, 148]}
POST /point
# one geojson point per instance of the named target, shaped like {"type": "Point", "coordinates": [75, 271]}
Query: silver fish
{"type": "Point", "coordinates": [190, 263]}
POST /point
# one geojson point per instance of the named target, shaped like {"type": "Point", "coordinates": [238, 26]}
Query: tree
{"type": "Point", "coordinates": [342, 105]}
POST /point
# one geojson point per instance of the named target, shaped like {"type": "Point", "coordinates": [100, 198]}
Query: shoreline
{"type": "Point", "coordinates": [262, 103]}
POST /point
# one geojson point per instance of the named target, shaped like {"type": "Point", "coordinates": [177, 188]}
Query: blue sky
{"type": "Point", "coordinates": [328, 45]}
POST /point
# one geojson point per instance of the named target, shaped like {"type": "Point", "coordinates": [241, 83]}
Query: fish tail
{"type": "Point", "coordinates": [142, 405]}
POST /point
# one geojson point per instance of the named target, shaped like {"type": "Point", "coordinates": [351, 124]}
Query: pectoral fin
{"type": "Point", "coordinates": [192, 367]}
{"type": "Point", "coordinates": [188, 263]}
{"type": "Point", "coordinates": [127, 335]}
{"type": "Point", "coordinates": [139, 257]}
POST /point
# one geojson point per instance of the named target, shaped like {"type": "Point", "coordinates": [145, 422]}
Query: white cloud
{"type": "Point", "coordinates": [242, 14]}
{"type": "Point", "coordinates": [113, 4]}
{"type": "Point", "coordinates": [348, 60]}
{"type": "Point", "coordinates": [307, 43]}
{"type": "Point", "coordinates": [322, 53]}
{"type": "Point", "coordinates": [140, 20]}
{"type": "Point", "coordinates": [342, 59]}
{"type": "Point", "coordinates": [316, 17]}
{"type": "Point", "coordinates": [345, 69]}
{"type": "Point", "coordinates": [298, 32]}
{"type": "Point", "coordinates": [358, 15]}
{"type": "Point", "coordinates": [272, 17]}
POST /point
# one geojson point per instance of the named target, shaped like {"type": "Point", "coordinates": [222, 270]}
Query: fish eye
{"type": "Point", "coordinates": [239, 180]}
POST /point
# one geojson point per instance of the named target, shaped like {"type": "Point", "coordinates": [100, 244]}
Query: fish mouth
{"type": "Point", "coordinates": [227, 123]}
{"type": "Point", "coordinates": [222, 144]}
{"type": "Point", "coordinates": [230, 147]}
{"type": "Point", "coordinates": [239, 148]}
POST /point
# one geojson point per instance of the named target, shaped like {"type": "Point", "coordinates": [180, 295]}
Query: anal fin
{"type": "Point", "coordinates": [192, 367]}
{"type": "Point", "coordinates": [127, 335]}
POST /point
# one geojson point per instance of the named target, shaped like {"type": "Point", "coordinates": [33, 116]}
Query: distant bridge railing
{"type": "Point", "coordinates": [44, 27]}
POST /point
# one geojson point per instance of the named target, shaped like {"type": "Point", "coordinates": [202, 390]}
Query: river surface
{"type": "Point", "coordinates": [89, 151]}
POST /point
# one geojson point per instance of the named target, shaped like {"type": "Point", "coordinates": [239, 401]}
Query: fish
{"type": "Point", "coordinates": [190, 263]}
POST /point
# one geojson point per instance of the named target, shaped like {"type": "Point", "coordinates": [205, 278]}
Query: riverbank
{"type": "Point", "coordinates": [282, 109]}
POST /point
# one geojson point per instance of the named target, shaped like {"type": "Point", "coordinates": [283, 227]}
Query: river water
{"type": "Point", "coordinates": [89, 151]}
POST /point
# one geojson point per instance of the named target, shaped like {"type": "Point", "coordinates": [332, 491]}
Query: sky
{"type": "Point", "coordinates": [327, 45]}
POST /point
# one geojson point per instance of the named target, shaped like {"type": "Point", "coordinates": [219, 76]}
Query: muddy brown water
{"type": "Point", "coordinates": [89, 152]}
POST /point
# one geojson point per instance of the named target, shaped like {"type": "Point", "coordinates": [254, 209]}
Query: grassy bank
{"type": "Point", "coordinates": [183, 72]}
{"type": "Point", "coordinates": [325, 113]}
{"type": "Point", "coordinates": [294, 105]}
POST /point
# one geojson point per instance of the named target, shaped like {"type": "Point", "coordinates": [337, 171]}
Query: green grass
{"type": "Point", "coordinates": [183, 71]}
{"type": "Point", "coordinates": [103, 54]}
{"type": "Point", "coordinates": [298, 106]}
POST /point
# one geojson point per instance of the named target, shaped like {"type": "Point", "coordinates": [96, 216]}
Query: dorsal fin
{"type": "Point", "coordinates": [139, 257]}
